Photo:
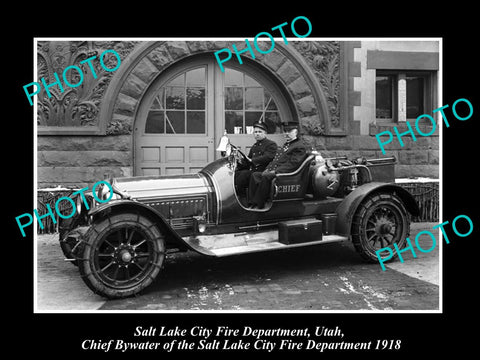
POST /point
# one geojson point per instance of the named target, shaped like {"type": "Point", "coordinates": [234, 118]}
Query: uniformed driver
{"type": "Point", "coordinates": [259, 156]}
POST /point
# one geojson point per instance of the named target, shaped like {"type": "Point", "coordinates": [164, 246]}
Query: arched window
{"type": "Point", "coordinates": [246, 102]}
{"type": "Point", "coordinates": [185, 111]}
{"type": "Point", "coordinates": [179, 107]}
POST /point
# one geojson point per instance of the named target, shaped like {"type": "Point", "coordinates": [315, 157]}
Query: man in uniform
{"type": "Point", "coordinates": [260, 155]}
{"type": "Point", "coordinates": [287, 159]}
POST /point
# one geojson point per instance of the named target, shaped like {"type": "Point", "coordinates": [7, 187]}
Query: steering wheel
{"type": "Point", "coordinates": [241, 160]}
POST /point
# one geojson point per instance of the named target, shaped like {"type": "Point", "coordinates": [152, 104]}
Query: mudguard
{"type": "Point", "coordinates": [116, 206]}
{"type": "Point", "coordinates": [346, 210]}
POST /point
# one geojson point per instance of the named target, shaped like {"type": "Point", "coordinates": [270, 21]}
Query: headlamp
{"type": "Point", "coordinates": [199, 224]}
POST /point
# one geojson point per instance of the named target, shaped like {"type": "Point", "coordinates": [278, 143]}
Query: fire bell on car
{"type": "Point", "coordinates": [120, 247]}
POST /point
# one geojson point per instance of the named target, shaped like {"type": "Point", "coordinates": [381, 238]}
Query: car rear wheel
{"type": "Point", "coordinates": [121, 255]}
{"type": "Point", "coordinates": [380, 221]}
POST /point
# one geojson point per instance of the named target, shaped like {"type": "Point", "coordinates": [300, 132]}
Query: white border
{"type": "Point", "coordinates": [440, 102]}
{"type": "Point", "coordinates": [35, 182]}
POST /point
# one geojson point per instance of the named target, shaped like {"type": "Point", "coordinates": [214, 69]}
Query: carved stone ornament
{"type": "Point", "coordinates": [75, 106]}
{"type": "Point", "coordinates": [323, 57]}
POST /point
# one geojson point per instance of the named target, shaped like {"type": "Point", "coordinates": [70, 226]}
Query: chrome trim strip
{"type": "Point", "coordinates": [216, 187]}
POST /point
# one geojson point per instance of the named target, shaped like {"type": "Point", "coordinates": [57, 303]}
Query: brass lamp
{"type": "Point", "coordinates": [224, 146]}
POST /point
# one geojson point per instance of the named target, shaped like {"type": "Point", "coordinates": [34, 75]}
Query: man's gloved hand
{"type": "Point", "coordinates": [269, 174]}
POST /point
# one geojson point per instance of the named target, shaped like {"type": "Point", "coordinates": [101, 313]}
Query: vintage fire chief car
{"type": "Point", "coordinates": [120, 246]}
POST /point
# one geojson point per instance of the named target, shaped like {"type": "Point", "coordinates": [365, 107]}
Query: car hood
{"type": "Point", "coordinates": [152, 187]}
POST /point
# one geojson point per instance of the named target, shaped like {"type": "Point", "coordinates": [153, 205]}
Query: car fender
{"type": "Point", "coordinates": [346, 210]}
{"type": "Point", "coordinates": [124, 205]}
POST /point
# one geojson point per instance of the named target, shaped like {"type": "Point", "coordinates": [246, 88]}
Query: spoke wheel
{"type": "Point", "coordinates": [122, 255]}
{"type": "Point", "coordinates": [379, 222]}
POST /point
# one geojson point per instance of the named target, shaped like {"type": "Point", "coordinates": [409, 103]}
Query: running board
{"type": "Point", "coordinates": [244, 243]}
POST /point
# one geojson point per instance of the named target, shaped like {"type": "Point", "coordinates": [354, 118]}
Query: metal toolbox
{"type": "Point", "coordinates": [299, 231]}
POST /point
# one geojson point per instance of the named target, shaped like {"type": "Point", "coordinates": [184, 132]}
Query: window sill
{"type": "Point", "coordinates": [401, 127]}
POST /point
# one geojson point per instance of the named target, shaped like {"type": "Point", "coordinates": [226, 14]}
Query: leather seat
{"type": "Point", "coordinates": [294, 184]}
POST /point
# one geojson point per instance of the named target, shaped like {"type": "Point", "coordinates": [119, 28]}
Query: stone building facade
{"type": "Point", "coordinates": [166, 106]}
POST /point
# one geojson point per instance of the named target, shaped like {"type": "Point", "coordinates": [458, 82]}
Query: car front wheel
{"type": "Point", "coordinates": [121, 255]}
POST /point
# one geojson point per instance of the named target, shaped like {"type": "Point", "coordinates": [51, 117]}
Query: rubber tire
{"type": "Point", "coordinates": [359, 222]}
{"type": "Point", "coordinates": [94, 237]}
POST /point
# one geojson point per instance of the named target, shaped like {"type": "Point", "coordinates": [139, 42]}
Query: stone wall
{"type": "Point", "coordinates": [74, 161]}
{"type": "Point", "coordinates": [79, 161]}
{"type": "Point", "coordinates": [72, 149]}
{"type": "Point", "coordinates": [308, 71]}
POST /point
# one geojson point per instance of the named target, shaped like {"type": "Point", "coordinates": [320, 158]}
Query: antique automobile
{"type": "Point", "coordinates": [120, 246]}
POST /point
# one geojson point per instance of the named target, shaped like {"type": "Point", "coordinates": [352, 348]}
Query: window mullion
{"type": "Point", "coordinates": [185, 104]}
{"type": "Point", "coordinates": [402, 97]}
{"type": "Point", "coordinates": [244, 107]}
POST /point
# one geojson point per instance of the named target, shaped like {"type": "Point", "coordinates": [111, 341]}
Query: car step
{"type": "Point", "coordinates": [243, 243]}
{"type": "Point", "coordinates": [251, 248]}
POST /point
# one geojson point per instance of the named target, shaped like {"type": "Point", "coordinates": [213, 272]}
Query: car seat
{"type": "Point", "coordinates": [292, 185]}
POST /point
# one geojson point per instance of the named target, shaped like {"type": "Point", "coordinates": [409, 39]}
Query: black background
{"type": "Point", "coordinates": [58, 335]}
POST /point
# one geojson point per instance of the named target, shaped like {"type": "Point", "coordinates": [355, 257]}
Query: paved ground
{"type": "Point", "coordinates": [326, 277]}
{"type": "Point", "coordinates": [59, 286]}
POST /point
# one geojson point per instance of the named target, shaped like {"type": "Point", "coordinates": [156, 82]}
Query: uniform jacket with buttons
{"type": "Point", "coordinates": [288, 157]}
{"type": "Point", "coordinates": [261, 153]}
